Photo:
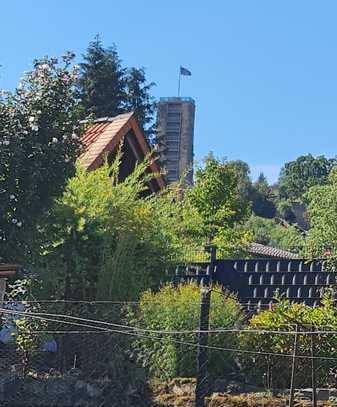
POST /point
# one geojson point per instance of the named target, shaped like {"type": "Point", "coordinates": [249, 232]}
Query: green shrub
{"type": "Point", "coordinates": [275, 371]}
{"type": "Point", "coordinates": [178, 309]}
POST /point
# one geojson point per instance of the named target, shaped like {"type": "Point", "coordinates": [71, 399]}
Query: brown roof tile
{"type": "Point", "coordinates": [267, 251]}
{"type": "Point", "coordinates": [105, 134]}
{"type": "Point", "coordinates": [101, 137]}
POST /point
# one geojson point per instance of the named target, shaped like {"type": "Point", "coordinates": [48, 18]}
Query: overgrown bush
{"type": "Point", "coordinates": [275, 371]}
{"type": "Point", "coordinates": [178, 309]}
{"type": "Point", "coordinates": [102, 240]}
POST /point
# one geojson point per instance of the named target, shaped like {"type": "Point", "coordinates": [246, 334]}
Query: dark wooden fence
{"type": "Point", "coordinates": [256, 281]}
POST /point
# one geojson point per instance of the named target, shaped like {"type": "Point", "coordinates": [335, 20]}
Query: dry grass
{"type": "Point", "coordinates": [164, 397]}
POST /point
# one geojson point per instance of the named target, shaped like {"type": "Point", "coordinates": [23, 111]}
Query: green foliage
{"type": "Point", "coordinates": [138, 98]}
{"type": "Point", "coordinates": [322, 213]}
{"type": "Point", "coordinates": [283, 317]}
{"type": "Point", "coordinates": [102, 81]}
{"type": "Point", "coordinates": [215, 202]}
{"type": "Point", "coordinates": [306, 171]}
{"type": "Point", "coordinates": [262, 198]}
{"type": "Point", "coordinates": [244, 183]}
{"type": "Point", "coordinates": [267, 232]}
{"type": "Point", "coordinates": [27, 342]}
{"type": "Point", "coordinates": [101, 240]}
{"type": "Point", "coordinates": [106, 88]}
{"type": "Point", "coordinates": [285, 210]}
{"type": "Point", "coordinates": [173, 309]}
{"type": "Point", "coordinates": [39, 143]}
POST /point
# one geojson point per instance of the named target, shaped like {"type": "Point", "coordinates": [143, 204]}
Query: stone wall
{"type": "Point", "coordinates": [69, 391]}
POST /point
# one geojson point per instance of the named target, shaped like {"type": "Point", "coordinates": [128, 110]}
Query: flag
{"type": "Point", "coordinates": [184, 71]}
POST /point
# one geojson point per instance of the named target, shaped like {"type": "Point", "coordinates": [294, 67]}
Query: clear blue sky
{"type": "Point", "coordinates": [264, 72]}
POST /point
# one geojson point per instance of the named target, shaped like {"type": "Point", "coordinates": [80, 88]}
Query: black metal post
{"type": "Point", "coordinates": [313, 369]}
{"type": "Point", "coordinates": [202, 358]}
{"type": "Point", "coordinates": [293, 368]}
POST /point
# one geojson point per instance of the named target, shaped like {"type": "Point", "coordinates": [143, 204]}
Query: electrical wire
{"type": "Point", "coordinates": [191, 344]}
{"type": "Point", "coordinates": [180, 332]}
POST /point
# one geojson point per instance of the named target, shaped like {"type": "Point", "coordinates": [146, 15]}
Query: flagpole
{"type": "Point", "coordinates": [179, 82]}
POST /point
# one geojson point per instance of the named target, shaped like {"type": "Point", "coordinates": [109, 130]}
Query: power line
{"type": "Point", "coordinates": [176, 332]}
{"type": "Point", "coordinates": [191, 344]}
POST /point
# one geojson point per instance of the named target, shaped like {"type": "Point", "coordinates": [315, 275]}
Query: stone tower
{"type": "Point", "coordinates": [175, 130]}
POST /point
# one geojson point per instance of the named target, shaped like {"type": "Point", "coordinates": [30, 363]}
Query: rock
{"type": "Point", "coordinates": [74, 372]}
{"type": "Point", "coordinates": [93, 391]}
{"type": "Point", "coordinates": [183, 390]}
{"type": "Point", "coordinates": [333, 392]}
{"type": "Point", "coordinates": [234, 388]}
{"type": "Point", "coordinates": [182, 386]}
{"type": "Point", "coordinates": [219, 386]}
{"type": "Point", "coordinates": [56, 387]}
{"type": "Point", "coordinates": [323, 394]}
{"type": "Point", "coordinates": [7, 385]}
{"type": "Point", "coordinates": [80, 386]}
{"type": "Point", "coordinates": [306, 394]}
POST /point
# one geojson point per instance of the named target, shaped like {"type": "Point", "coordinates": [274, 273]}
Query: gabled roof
{"type": "Point", "coordinates": [267, 251]}
{"type": "Point", "coordinates": [105, 135]}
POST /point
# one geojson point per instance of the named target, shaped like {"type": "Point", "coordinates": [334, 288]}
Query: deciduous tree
{"type": "Point", "coordinates": [306, 171]}
{"type": "Point", "coordinates": [322, 213]}
{"type": "Point", "coordinates": [39, 143]}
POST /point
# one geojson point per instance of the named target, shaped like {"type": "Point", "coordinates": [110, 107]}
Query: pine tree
{"type": "Point", "coordinates": [102, 81]}
{"type": "Point", "coordinates": [106, 88]}
{"type": "Point", "coordinates": [139, 99]}
{"type": "Point", "coordinates": [263, 204]}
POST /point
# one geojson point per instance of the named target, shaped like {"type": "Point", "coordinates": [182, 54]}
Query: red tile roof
{"type": "Point", "coordinates": [105, 134]}
{"type": "Point", "coordinates": [102, 137]}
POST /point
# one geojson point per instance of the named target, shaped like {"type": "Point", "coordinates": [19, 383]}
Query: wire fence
{"type": "Point", "coordinates": [67, 353]}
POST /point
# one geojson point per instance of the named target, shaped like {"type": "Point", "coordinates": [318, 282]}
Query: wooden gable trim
{"type": "Point", "coordinates": [130, 124]}
{"type": "Point", "coordinates": [146, 150]}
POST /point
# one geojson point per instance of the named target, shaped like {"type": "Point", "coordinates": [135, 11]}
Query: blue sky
{"type": "Point", "coordinates": [264, 73]}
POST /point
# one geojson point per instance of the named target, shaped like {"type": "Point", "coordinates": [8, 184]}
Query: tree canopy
{"type": "Point", "coordinates": [39, 143]}
{"type": "Point", "coordinates": [215, 199]}
{"type": "Point", "coordinates": [298, 176]}
{"type": "Point", "coordinates": [262, 199]}
{"type": "Point", "coordinates": [106, 88]}
{"type": "Point", "coordinates": [268, 232]}
{"type": "Point", "coordinates": [322, 213]}
{"type": "Point", "coordinates": [242, 173]}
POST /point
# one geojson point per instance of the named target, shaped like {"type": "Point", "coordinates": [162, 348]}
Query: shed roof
{"type": "Point", "coordinates": [104, 136]}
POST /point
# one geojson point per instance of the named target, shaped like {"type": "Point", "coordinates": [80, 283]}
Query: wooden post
{"type": "Point", "coordinates": [202, 357]}
{"type": "Point", "coordinates": [293, 368]}
{"type": "Point", "coordinates": [313, 369]}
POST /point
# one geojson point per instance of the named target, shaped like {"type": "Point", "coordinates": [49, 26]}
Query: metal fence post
{"type": "Point", "coordinates": [313, 368]}
{"type": "Point", "coordinates": [202, 357]}
{"type": "Point", "coordinates": [293, 368]}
